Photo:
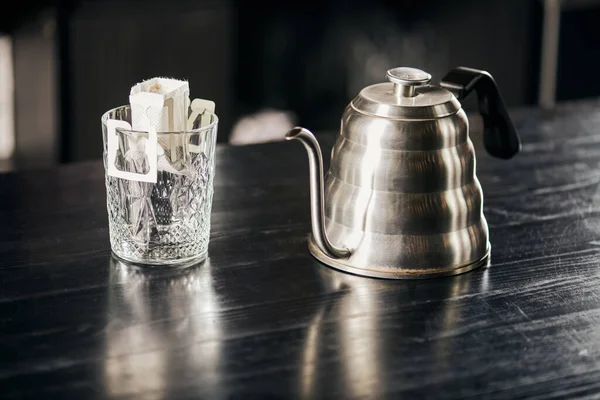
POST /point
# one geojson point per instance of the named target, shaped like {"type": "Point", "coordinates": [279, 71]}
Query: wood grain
{"type": "Point", "coordinates": [262, 319]}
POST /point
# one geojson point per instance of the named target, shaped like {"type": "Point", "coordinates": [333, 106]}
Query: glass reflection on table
{"type": "Point", "coordinates": [154, 318]}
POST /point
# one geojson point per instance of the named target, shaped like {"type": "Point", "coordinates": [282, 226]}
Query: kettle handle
{"type": "Point", "coordinates": [499, 134]}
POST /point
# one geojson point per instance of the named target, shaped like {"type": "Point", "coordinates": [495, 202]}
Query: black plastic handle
{"type": "Point", "coordinates": [499, 134]}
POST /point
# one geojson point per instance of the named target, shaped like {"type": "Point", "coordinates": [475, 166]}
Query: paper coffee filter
{"type": "Point", "coordinates": [176, 96]}
{"type": "Point", "coordinates": [171, 118]}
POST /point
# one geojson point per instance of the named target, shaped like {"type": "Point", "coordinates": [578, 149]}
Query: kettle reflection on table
{"type": "Point", "coordinates": [373, 325]}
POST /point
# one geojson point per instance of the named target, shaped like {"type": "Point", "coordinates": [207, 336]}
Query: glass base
{"type": "Point", "coordinates": [170, 264]}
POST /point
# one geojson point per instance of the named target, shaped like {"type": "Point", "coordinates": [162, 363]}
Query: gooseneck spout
{"type": "Point", "coordinates": [317, 199]}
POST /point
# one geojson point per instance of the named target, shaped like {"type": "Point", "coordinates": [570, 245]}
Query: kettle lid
{"type": "Point", "coordinates": [407, 95]}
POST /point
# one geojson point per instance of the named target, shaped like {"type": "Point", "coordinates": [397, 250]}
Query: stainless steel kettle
{"type": "Point", "coordinates": [401, 199]}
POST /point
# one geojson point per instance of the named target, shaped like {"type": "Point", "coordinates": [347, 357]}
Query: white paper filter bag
{"type": "Point", "coordinates": [171, 118]}
{"type": "Point", "coordinates": [176, 96]}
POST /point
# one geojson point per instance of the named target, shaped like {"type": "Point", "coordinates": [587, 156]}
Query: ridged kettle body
{"type": "Point", "coordinates": [413, 204]}
{"type": "Point", "coordinates": [401, 198]}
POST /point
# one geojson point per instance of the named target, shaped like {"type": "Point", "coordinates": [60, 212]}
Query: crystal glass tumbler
{"type": "Point", "coordinates": [162, 220]}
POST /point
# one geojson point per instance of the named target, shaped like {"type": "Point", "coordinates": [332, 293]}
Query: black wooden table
{"type": "Point", "coordinates": [262, 319]}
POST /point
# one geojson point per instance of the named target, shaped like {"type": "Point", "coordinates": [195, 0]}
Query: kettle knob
{"type": "Point", "coordinates": [406, 79]}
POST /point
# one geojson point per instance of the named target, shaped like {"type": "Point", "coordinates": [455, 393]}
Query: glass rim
{"type": "Point", "coordinates": [208, 127]}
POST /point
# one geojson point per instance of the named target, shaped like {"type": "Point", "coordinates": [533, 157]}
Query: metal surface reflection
{"type": "Point", "coordinates": [401, 199]}
{"type": "Point", "coordinates": [369, 325]}
{"type": "Point", "coordinates": [162, 326]}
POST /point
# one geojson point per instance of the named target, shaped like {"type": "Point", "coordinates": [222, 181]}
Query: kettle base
{"type": "Point", "coordinates": [399, 273]}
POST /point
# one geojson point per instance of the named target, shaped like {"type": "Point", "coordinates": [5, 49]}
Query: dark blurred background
{"type": "Point", "coordinates": [269, 64]}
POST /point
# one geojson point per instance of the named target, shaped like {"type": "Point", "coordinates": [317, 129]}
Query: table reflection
{"type": "Point", "coordinates": [154, 318]}
{"type": "Point", "coordinates": [372, 324]}
{"type": "Point", "coordinates": [166, 330]}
